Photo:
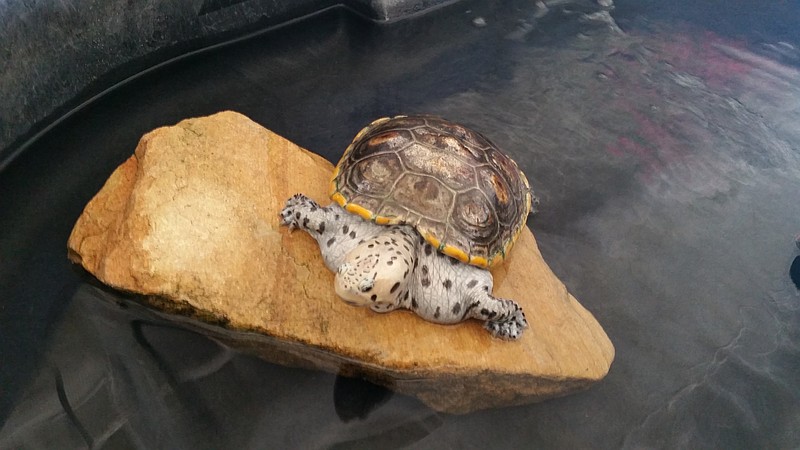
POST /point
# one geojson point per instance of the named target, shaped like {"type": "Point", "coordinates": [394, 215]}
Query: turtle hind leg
{"type": "Point", "coordinates": [510, 329]}
{"type": "Point", "coordinates": [503, 318]}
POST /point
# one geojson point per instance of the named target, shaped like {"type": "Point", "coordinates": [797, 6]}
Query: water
{"type": "Point", "coordinates": [665, 154]}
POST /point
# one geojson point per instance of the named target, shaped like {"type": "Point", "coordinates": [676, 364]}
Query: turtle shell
{"type": "Point", "coordinates": [464, 196]}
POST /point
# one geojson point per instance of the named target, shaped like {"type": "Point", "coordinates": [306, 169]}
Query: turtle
{"type": "Point", "coordinates": [421, 208]}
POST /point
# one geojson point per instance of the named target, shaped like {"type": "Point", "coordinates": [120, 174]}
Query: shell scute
{"type": "Point", "coordinates": [432, 199]}
{"type": "Point", "coordinates": [376, 144]}
{"type": "Point", "coordinates": [452, 172]}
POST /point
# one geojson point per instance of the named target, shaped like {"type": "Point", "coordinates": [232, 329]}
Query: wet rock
{"type": "Point", "coordinates": [190, 222]}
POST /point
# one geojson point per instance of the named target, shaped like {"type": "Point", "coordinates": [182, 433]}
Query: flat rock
{"type": "Point", "coordinates": [190, 222]}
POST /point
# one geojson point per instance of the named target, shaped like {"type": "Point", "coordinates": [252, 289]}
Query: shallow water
{"type": "Point", "coordinates": [666, 157]}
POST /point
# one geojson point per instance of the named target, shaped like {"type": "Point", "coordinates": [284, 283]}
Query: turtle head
{"type": "Point", "coordinates": [355, 281]}
{"type": "Point", "coordinates": [371, 275]}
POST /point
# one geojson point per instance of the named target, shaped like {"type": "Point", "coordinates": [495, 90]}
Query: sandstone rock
{"type": "Point", "coordinates": [190, 221]}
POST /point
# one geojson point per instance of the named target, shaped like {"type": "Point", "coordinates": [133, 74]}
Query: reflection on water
{"type": "Point", "coordinates": [666, 159]}
{"type": "Point", "coordinates": [117, 375]}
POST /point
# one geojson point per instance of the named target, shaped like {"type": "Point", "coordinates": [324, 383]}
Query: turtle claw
{"type": "Point", "coordinates": [287, 217]}
{"type": "Point", "coordinates": [510, 329]}
{"type": "Point", "coordinates": [286, 220]}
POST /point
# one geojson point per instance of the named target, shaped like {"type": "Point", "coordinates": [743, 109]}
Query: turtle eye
{"type": "Point", "coordinates": [366, 284]}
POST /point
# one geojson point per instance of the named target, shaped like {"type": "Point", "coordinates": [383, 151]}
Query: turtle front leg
{"type": "Point", "coordinates": [503, 318]}
{"type": "Point", "coordinates": [302, 212]}
{"type": "Point", "coordinates": [336, 231]}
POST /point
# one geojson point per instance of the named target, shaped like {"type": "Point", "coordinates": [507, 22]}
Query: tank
{"type": "Point", "coordinates": [661, 139]}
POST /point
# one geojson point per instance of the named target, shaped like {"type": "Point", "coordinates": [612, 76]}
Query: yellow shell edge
{"type": "Point", "coordinates": [479, 261]}
{"type": "Point", "coordinates": [338, 197]}
{"type": "Point", "coordinates": [455, 252]}
{"type": "Point", "coordinates": [436, 243]}
{"type": "Point", "coordinates": [363, 212]}
{"type": "Point", "coordinates": [381, 220]}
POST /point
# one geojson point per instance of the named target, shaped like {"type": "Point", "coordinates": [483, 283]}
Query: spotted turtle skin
{"type": "Point", "coordinates": [463, 195]}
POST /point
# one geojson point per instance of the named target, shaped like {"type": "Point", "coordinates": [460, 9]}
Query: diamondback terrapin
{"type": "Point", "coordinates": [422, 207]}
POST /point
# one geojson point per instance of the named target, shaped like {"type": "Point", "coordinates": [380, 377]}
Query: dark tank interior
{"type": "Point", "coordinates": [663, 140]}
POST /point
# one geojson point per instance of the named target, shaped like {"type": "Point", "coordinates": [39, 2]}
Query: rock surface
{"type": "Point", "coordinates": [190, 221]}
